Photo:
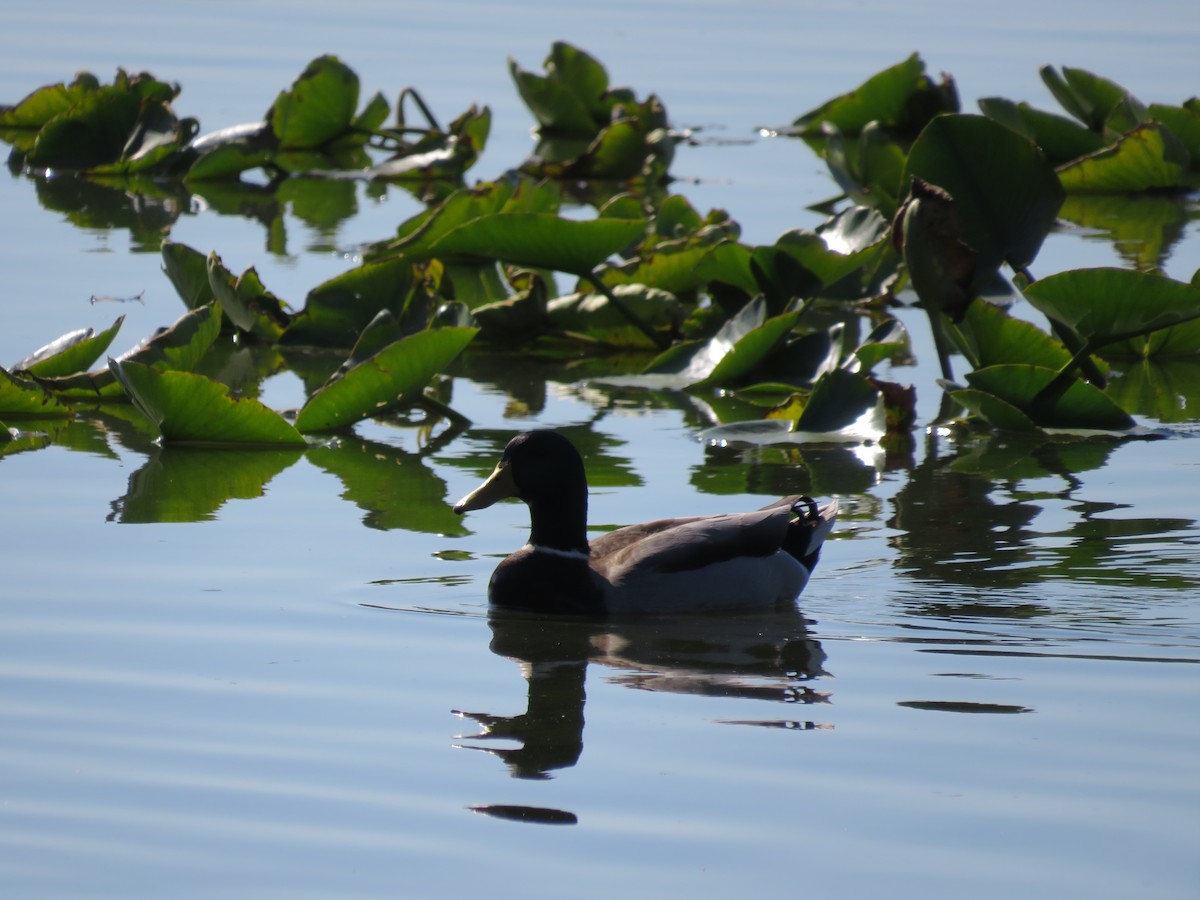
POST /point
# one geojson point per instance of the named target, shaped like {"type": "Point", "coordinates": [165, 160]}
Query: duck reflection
{"type": "Point", "coordinates": [763, 656]}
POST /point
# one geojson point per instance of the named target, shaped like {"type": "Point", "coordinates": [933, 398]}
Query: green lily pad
{"type": "Point", "coordinates": [992, 337]}
{"type": "Point", "coordinates": [570, 98]}
{"type": "Point", "coordinates": [1078, 405]}
{"type": "Point", "coordinates": [838, 246]}
{"type": "Point", "coordinates": [684, 267]}
{"type": "Point", "coordinates": [996, 412]}
{"type": "Point", "coordinates": [336, 311]}
{"type": "Point", "coordinates": [1003, 187]}
{"type": "Point", "coordinates": [884, 342]}
{"type": "Point", "coordinates": [22, 397]}
{"type": "Point", "coordinates": [840, 399]}
{"type": "Point", "coordinates": [178, 348]}
{"type": "Point", "coordinates": [1147, 158]}
{"type": "Point", "coordinates": [592, 314]}
{"type": "Point", "coordinates": [45, 103]}
{"type": "Point", "coordinates": [741, 346]}
{"type": "Point", "coordinates": [193, 409]}
{"type": "Point", "coordinates": [843, 407]}
{"type": "Point", "coordinates": [249, 305]}
{"type": "Point", "coordinates": [541, 240]}
{"type": "Point", "coordinates": [187, 270]}
{"type": "Point", "coordinates": [391, 378]}
{"type": "Point", "coordinates": [1061, 138]}
{"type": "Point", "coordinates": [1105, 305]}
{"type": "Point", "coordinates": [892, 97]}
{"type": "Point", "coordinates": [1090, 98]}
{"type": "Point", "coordinates": [1184, 123]}
{"type": "Point", "coordinates": [69, 354]}
{"type": "Point", "coordinates": [319, 107]}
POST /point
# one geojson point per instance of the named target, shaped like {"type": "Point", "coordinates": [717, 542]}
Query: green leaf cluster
{"type": "Point", "coordinates": [940, 201]}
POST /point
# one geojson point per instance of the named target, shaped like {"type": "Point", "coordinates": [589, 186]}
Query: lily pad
{"type": "Point", "coordinates": [740, 347]}
{"type": "Point", "coordinates": [47, 102]}
{"type": "Point", "coordinates": [22, 397]}
{"type": "Point", "coordinates": [1077, 405]}
{"type": "Point", "coordinates": [541, 240]}
{"type": "Point", "coordinates": [391, 378]}
{"type": "Point", "coordinates": [1003, 187]}
{"type": "Point", "coordinates": [187, 270]}
{"type": "Point", "coordinates": [1106, 305]}
{"type": "Point", "coordinates": [193, 409]}
{"type": "Point", "coordinates": [992, 337]}
{"type": "Point", "coordinates": [1149, 157]}
{"type": "Point", "coordinates": [319, 107]}
{"type": "Point", "coordinates": [1061, 138]}
{"type": "Point", "coordinates": [570, 98]}
{"type": "Point", "coordinates": [336, 311]}
{"type": "Point", "coordinates": [900, 97]}
{"type": "Point", "coordinates": [71, 353]}
{"type": "Point", "coordinates": [592, 314]}
{"type": "Point", "coordinates": [249, 305]}
{"type": "Point", "coordinates": [178, 348]}
{"type": "Point", "coordinates": [1090, 98]}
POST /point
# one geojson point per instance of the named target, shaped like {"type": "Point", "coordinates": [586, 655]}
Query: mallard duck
{"type": "Point", "coordinates": [722, 562]}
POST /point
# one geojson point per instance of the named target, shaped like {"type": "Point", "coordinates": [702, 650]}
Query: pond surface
{"type": "Point", "coordinates": [249, 673]}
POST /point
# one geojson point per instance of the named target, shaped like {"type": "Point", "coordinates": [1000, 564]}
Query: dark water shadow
{"type": "Point", "coordinates": [768, 656]}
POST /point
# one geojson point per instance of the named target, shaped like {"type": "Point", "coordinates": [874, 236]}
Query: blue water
{"type": "Point", "coordinates": [997, 691]}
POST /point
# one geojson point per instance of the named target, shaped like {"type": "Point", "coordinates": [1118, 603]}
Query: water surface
{"type": "Point", "coordinates": [289, 684]}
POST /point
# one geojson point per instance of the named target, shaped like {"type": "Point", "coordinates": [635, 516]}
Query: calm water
{"type": "Point", "coordinates": [289, 684]}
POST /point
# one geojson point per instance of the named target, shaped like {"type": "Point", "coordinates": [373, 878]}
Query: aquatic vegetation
{"type": "Point", "coordinates": [955, 206]}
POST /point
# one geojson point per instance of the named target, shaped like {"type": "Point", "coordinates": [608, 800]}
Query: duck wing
{"type": "Point", "coordinates": [680, 545]}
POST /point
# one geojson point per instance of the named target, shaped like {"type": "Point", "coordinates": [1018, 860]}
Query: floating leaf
{"type": "Point", "coordinates": [193, 409]}
{"type": "Point", "coordinates": [993, 337]}
{"type": "Point", "coordinates": [69, 354]}
{"type": "Point", "coordinates": [1031, 389]}
{"type": "Point", "coordinates": [570, 98]}
{"type": "Point", "coordinates": [180, 347]}
{"type": "Point", "coordinates": [1184, 123]}
{"type": "Point", "coordinates": [540, 240]}
{"type": "Point", "coordinates": [393, 377]}
{"type": "Point", "coordinates": [336, 311]}
{"type": "Point", "coordinates": [683, 267]}
{"type": "Point", "coordinates": [47, 102]}
{"type": "Point", "coordinates": [188, 271]}
{"type": "Point", "coordinates": [1003, 188]}
{"type": "Point", "coordinates": [319, 107]}
{"type": "Point", "coordinates": [1105, 305]}
{"type": "Point", "coordinates": [1088, 97]}
{"type": "Point", "coordinates": [740, 346]}
{"type": "Point", "coordinates": [840, 400]}
{"type": "Point", "coordinates": [842, 408]}
{"type": "Point", "coordinates": [593, 314]}
{"type": "Point", "coordinates": [22, 397]}
{"type": "Point", "coordinates": [996, 412]}
{"type": "Point", "coordinates": [250, 306]}
{"type": "Point", "coordinates": [901, 97]}
{"type": "Point", "coordinates": [1147, 158]}
{"type": "Point", "coordinates": [422, 231]}
{"type": "Point", "coordinates": [1059, 137]}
